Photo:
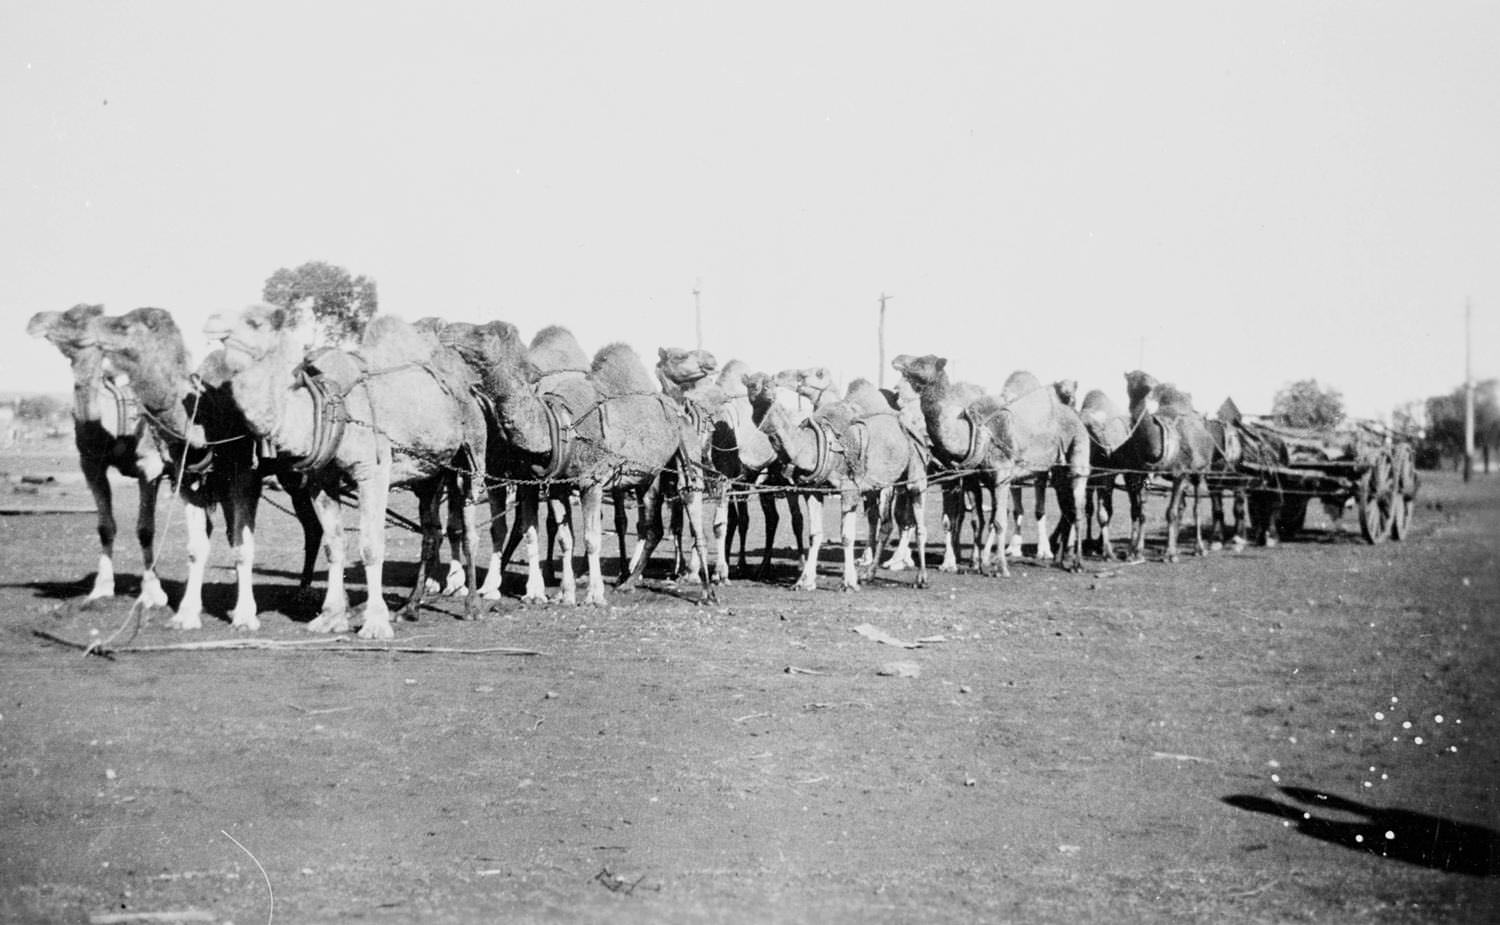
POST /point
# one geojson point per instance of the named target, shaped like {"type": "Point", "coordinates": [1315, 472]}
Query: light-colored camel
{"type": "Point", "coordinates": [735, 449]}
{"type": "Point", "coordinates": [612, 430]}
{"type": "Point", "coordinates": [206, 449]}
{"type": "Point", "coordinates": [1065, 390]}
{"type": "Point", "coordinates": [107, 432]}
{"type": "Point", "coordinates": [1024, 430]}
{"type": "Point", "coordinates": [409, 419]}
{"type": "Point", "coordinates": [863, 454]}
{"type": "Point", "coordinates": [1225, 475]}
{"type": "Point", "coordinates": [1108, 429]}
{"type": "Point", "coordinates": [1172, 440]}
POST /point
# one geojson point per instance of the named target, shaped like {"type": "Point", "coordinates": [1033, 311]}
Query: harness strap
{"type": "Point", "coordinates": [559, 434]}
{"type": "Point", "coordinates": [330, 415]}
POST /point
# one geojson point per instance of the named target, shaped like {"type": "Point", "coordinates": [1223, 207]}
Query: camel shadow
{"type": "Point", "coordinates": [1398, 834]}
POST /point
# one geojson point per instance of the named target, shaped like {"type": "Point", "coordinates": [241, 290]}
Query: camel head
{"type": "Point", "coordinates": [1066, 389]}
{"type": "Point", "coordinates": [494, 349]}
{"type": "Point", "coordinates": [681, 367]}
{"type": "Point", "coordinates": [732, 378]}
{"type": "Point", "coordinates": [1140, 388]}
{"type": "Point", "coordinates": [922, 372]}
{"type": "Point", "coordinates": [249, 335]}
{"type": "Point", "coordinates": [144, 343]}
{"type": "Point", "coordinates": [810, 382]}
{"type": "Point", "coordinates": [760, 388]}
{"type": "Point", "coordinates": [69, 331]}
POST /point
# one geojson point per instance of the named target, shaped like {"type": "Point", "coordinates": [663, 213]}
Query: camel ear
{"type": "Point", "coordinates": [661, 353]}
{"type": "Point", "coordinates": [821, 372]}
{"type": "Point", "coordinates": [745, 378]}
{"type": "Point", "coordinates": [278, 319]}
{"type": "Point", "coordinates": [942, 363]}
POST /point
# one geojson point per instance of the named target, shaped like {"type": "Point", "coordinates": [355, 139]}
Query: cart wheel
{"type": "Point", "coordinates": [1404, 462]}
{"type": "Point", "coordinates": [1292, 516]}
{"type": "Point", "coordinates": [1377, 498]}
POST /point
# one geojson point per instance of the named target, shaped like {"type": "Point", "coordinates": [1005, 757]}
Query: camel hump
{"type": "Point", "coordinates": [617, 370]}
{"type": "Point", "coordinates": [1019, 385]}
{"type": "Point", "coordinates": [554, 349]}
{"type": "Point", "coordinates": [389, 341]}
{"type": "Point", "coordinates": [1174, 400]}
{"type": "Point", "coordinates": [732, 379]}
{"type": "Point", "coordinates": [864, 396]}
{"type": "Point", "coordinates": [1229, 412]}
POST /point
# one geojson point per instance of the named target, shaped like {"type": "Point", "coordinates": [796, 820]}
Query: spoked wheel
{"type": "Point", "coordinates": [1377, 499]}
{"type": "Point", "coordinates": [1404, 462]}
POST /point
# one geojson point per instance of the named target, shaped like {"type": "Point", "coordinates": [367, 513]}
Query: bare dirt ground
{"type": "Point", "coordinates": [1307, 733]}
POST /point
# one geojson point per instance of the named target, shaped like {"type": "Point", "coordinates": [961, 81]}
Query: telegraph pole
{"type": "Point", "coordinates": [1468, 390]}
{"type": "Point", "coordinates": [880, 375]}
{"type": "Point", "coordinates": [698, 311]}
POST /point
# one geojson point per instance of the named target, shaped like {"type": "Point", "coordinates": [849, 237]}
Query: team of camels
{"type": "Point", "coordinates": [472, 412]}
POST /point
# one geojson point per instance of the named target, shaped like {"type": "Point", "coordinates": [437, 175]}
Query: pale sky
{"type": "Point", "coordinates": [1239, 194]}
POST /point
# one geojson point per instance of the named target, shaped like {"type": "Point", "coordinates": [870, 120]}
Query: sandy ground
{"type": "Point", "coordinates": [1307, 733]}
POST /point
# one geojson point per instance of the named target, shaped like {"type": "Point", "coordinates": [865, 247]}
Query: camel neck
{"type": "Point", "coordinates": [264, 393]}
{"type": "Point", "coordinates": [523, 420]}
{"type": "Point", "coordinates": [88, 376]}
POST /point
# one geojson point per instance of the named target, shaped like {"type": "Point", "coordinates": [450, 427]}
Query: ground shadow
{"type": "Point", "coordinates": [1399, 834]}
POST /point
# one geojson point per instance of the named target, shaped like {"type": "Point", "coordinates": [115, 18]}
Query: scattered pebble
{"type": "Point", "coordinates": [1418, 740]}
{"type": "Point", "coordinates": [1394, 700]}
{"type": "Point", "coordinates": [1453, 748]}
{"type": "Point", "coordinates": [1359, 839]}
{"type": "Point", "coordinates": [1438, 718]}
{"type": "Point", "coordinates": [109, 774]}
{"type": "Point", "coordinates": [1275, 778]}
{"type": "Point", "coordinates": [550, 695]}
{"type": "Point", "coordinates": [1379, 715]}
{"type": "Point", "coordinates": [1390, 836]}
{"type": "Point", "coordinates": [963, 688]}
{"type": "Point", "coordinates": [1406, 725]}
{"type": "Point", "coordinates": [411, 680]}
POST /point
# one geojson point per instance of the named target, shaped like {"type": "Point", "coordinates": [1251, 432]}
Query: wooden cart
{"type": "Point", "coordinates": [1362, 460]}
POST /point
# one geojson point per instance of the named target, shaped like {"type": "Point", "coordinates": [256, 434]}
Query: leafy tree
{"type": "Point", "coordinates": [1304, 403]}
{"type": "Point", "coordinates": [1445, 420]}
{"type": "Point", "coordinates": [338, 305]}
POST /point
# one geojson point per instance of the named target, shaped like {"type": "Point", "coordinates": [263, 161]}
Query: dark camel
{"type": "Point", "coordinates": [107, 432]}
{"type": "Point", "coordinates": [1173, 441]}
{"type": "Point", "coordinates": [208, 452]}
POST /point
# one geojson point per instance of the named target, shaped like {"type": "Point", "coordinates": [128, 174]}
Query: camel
{"type": "Point", "coordinates": [1108, 428]}
{"type": "Point", "coordinates": [688, 378]}
{"type": "Point", "coordinates": [611, 430]}
{"type": "Point", "coordinates": [1174, 441]}
{"type": "Point", "coordinates": [1065, 390]}
{"type": "Point", "coordinates": [207, 450]}
{"type": "Point", "coordinates": [107, 433]}
{"type": "Point", "coordinates": [1225, 475]}
{"type": "Point", "coordinates": [396, 412]}
{"type": "Point", "coordinates": [857, 449]}
{"type": "Point", "coordinates": [1024, 430]}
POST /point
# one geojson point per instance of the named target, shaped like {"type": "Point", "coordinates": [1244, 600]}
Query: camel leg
{"type": "Point", "coordinates": [374, 493]}
{"type": "Point", "coordinates": [1199, 549]}
{"type": "Point", "coordinates": [460, 520]}
{"type": "Point", "coordinates": [994, 527]}
{"type": "Point", "coordinates": [740, 528]}
{"type": "Point", "coordinates": [96, 474]}
{"type": "Point", "coordinates": [1014, 548]}
{"type": "Point", "coordinates": [560, 514]}
{"type": "Point", "coordinates": [692, 505]}
{"type": "Point", "coordinates": [649, 535]}
{"type": "Point", "coordinates": [900, 557]}
{"type": "Point", "coordinates": [239, 517]}
{"type": "Point", "coordinates": [773, 520]}
{"type": "Point", "coordinates": [917, 511]}
{"type": "Point", "coordinates": [953, 520]}
{"type": "Point", "coordinates": [152, 594]}
{"type": "Point", "coordinates": [808, 581]}
{"type": "Point", "coordinates": [849, 504]}
{"type": "Point", "coordinates": [490, 590]}
{"type": "Point", "coordinates": [527, 529]}
{"type": "Point", "coordinates": [622, 532]}
{"type": "Point", "coordinates": [1105, 512]}
{"type": "Point", "coordinates": [1071, 522]}
{"type": "Point", "coordinates": [334, 615]}
{"type": "Point", "coordinates": [469, 544]}
{"type": "Point", "coordinates": [429, 506]}
{"type": "Point", "coordinates": [312, 529]}
{"type": "Point", "coordinates": [593, 539]}
{"type": "Point", "coordinates": [1174, 515]}
{"type": "Point", "coordinates": [1044, 547]}
{"type": "Point", "coordinates": [724, 517]}
{"type": "Point", "coordinates": [189, 614]}
{"type": "Point", "coordinates": [797, 511]}
{"type": "Point", "coordinates": [1135, 488]}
